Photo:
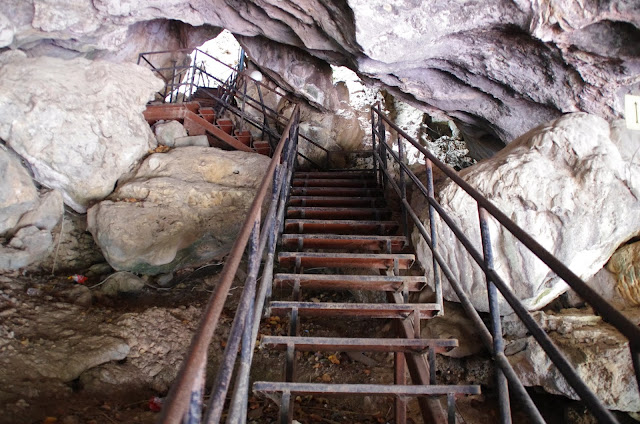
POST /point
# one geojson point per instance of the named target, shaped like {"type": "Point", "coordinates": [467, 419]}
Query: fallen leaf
{"type": "Point", "coordinates": [334, 359]}
{"type": "Point", "coordinates": [326, 378]}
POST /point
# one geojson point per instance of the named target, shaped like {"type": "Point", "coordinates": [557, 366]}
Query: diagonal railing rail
{"type": "Point", "coordinates": [492, 338]}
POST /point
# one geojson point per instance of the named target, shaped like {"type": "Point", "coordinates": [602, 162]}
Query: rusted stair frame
{"type": "Point", "coordinates": [185, 112]}
{"type": "Point", "coordinates": [418, 367]}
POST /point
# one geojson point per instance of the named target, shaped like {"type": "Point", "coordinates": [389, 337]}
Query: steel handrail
{"type": "Point", "coordinates": [185, 396]}
{"type": "Point", "coordinates": [381, 151]}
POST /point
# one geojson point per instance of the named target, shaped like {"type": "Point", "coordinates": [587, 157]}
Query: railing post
{"type": "Point", "coordinates": [244, 98]}
{"type": "Point", "coordinates": [193, 74]}
{"type": "Point", "coordinates": [496, 327]}
{"type": "Point", "coordinates": [173, 77]}
{"type": "Point", "coordinates": [373, 143]}
{"type": "Point", "coordinates": [437, 282]}
{"type": "Point", "coordinates": [383, 152]}
{"type": "Point", "coordinates": [265, 121]}
{"type": "Point", "coordinates": [403, 188]}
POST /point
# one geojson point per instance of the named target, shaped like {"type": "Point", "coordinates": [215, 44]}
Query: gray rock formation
{"type": "Point", "coordinates": [78, 124]}
{"type": "Point", "coordinates": [73, 248]}
{"type": "Point", "coordinates": [193, 140]}
{"type": "Point", "coordinates": [295, 70]}
{"type": "Point", "coordinates": [167, 132]}
{"type": "Point", "coordinates": [18, 195]}
{"type": "Point", "coordinates": [122, 283]}
{"type": "Point", "coordinates": [27, 217]}
{"type": "Point", "coordinates": [555, 182]}
{"type": "Point", "coordinates": [180, 208]}
{"type": "Point", "coordinates": [598, 352]}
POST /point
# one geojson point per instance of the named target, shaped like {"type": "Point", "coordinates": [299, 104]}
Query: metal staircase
{"type": "Point", "coordinates": [326, 217]}
{"type": "Point", "coordinates": [340, 221]}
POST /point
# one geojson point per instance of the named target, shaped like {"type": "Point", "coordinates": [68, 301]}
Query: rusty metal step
{"type": "Point", "coordinates": [364, 174]}
{"type": "Point", "coordinates": [333, 182]}
{"type": "Point", "coordinates": [326, 226]}
{"type": "Point", "coordinates": [225, 125]}
{"type": "Point", "coordinates": [338, 201]}
{"type": "Point", "coordinates": [336, 191]}
{"type": "Point", "coordinates": [346, 260]}
{"type": "Point", "coordinates": [352, 282]}
{"type": "Point", "coordinates": [362, 310]}
{"type": "Point", "coordinates": [363, 389]}
{"type": "Point", "coordinates": [262, 147]}
{"type": "Point", "coordinates": [342, 344]}
{"type": "Point", "coordinates": [345, 241]}
{"type": "Point", "coordinates": [313, 212]}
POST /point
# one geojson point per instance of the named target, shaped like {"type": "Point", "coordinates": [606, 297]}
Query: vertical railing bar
{"type": "Point", "coordinates": [433, 242]}
{"type": "Point", "coordinates": [451, 408]}
{"type": "Point", "coordinates": [243, 80]}
{"type": "Point", "coordinates": [494, 309]}
{"type": "Point", "coordinates": [193, 74]}
{"type": "Point", "coordinates": [265, 122]}
{"type": "Point", "coordinates": [194, 412]}
{"type": "Point", "coordinates": [173, 81]}
{"type": "Point", "coordinates": [373, 144]}
{"type": "Point", "coordinates": [403, 187]}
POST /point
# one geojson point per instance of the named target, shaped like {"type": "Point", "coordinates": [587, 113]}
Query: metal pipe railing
{"type": "Point", "coordinates": [185, 397]}
{"type": "Point", "coordinates": [493, 339]}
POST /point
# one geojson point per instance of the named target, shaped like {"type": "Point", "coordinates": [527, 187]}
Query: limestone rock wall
{"type": "Point", "coordinates": [498, 67]}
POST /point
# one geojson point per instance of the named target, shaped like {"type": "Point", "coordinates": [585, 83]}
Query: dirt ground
{"type": "Point", "coordinates": [70, 354]}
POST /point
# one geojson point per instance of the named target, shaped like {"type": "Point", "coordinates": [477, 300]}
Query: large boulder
{"type": "Point", "coordinates": [179, 208]}
{"type": "Point", "coordinates": [27, 215]}
{"type": "Point", "coordinates": [78, 124]}
{"type": "Point", "coordinates": [573, 184]}
{"type": "Point", "coordinates": [598, 352]}
{"type": "Point", "coordinates": [18, 195]}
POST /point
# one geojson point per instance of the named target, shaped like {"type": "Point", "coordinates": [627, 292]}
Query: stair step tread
{"type": "Point", "coordinates": [364, 389]}
{"type": "Point", "coordinates": [364, 310]}
{"type": "Point", "coordinates": [341, 226]}
{"type": "Point", "coordinates": [335, 201]}
{"type": "Point", "coordinates": [363, 174]}
{"type": "Point", "coordinates": [343, 344]}
{"type": "Point", "coordinates": [346, 260]}
{"type": "Point", "coordinates": [344, 241]}
{"type": "Point", "coordinates": [334, 182]}
{"type": "Point", "coordinates": [336, 191]}
{"type": "Point", "coordinates": [349, 212]}
{"type": "Point", "coordinates": [353, 282]}
{"type": "Point", "coordinates": [410, 256]}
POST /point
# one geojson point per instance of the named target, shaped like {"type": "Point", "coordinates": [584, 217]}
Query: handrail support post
{"type": "Point", "coordinates": [496, 327]}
